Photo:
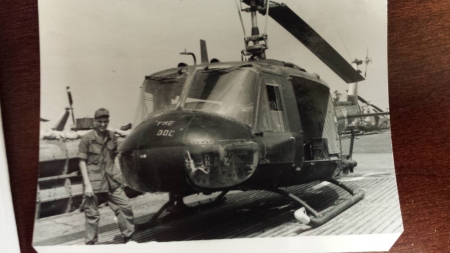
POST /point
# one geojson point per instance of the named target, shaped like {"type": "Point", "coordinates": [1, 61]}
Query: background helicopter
{"type": "Point", "coordinates": [372, 121]}
{"type": "Point", "coordinates": [257, 124]}
{"type": "Point", "coordinates": [374, 124]}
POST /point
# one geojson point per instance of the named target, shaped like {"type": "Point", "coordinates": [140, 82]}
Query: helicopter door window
{"type": "Point", "coordinates": [276, 108]}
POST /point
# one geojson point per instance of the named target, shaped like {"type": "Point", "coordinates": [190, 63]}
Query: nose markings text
{"type": "Point", "coordinates": [169, 133]}
{"type": "Point", "coordinates": [165, 123]}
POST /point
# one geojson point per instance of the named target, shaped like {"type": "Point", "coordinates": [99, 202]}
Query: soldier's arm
{"type": "Point", "coordinates": [87, 184]}
{"type": "Point", "coordinates": [83, 155]}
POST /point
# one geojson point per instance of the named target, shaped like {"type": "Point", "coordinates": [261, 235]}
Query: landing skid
{"type": "Point", "coordinates": [318, 219]}
{"type": "Point", "coordinates": [176, 206]}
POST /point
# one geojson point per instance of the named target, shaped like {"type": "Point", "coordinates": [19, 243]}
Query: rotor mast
{"type": "Point", "coordinates": [352, 93]}
{"type": "Point", "coordinates": [255, 29]}
{"type": "Point", "coordinates": [304, 33]}
{"type": "Point", "coordinates": [256, 50]}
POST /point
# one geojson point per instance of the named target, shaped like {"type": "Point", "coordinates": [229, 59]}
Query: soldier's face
{"type": "Point", "coordinates": [101, 124]}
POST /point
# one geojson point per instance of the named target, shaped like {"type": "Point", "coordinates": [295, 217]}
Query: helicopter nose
{"type": "Point", "coordinates": [219, 152]}
{"type": "Point", "coordinates": [151, 157]}
{"type": "Point", "coordinates": [212, 151]}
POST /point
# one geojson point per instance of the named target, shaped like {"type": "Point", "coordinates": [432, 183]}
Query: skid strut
{"type": "Point", "coordinates": [177, 202]}
{"type": "Point", "coordinates": [298, 200]}
{"type": "Point", "coordinates": [318, 219]}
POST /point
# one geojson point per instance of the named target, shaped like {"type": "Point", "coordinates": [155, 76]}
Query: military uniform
{"type": "Point", "coordinates": [105, 178]}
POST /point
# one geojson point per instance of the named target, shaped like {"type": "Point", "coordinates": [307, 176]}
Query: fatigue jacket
{"type": "Point", "coordinates": [99, 156]}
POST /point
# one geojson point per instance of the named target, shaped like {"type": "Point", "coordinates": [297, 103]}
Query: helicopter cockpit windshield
{"type": "Point", "coordinates": [160, 92]}
{"type": "Point", "coordinates": [226, 91]}
{"type": "Point", "coordinates": [229, 92]}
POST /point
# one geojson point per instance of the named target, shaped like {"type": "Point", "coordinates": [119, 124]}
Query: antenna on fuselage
{"type": "Point", "coordinates": [189, 53]}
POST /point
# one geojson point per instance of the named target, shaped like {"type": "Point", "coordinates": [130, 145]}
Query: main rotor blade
{"type": "Point", "coordinates": [59, 126]}
{"type": "Point", "coordinates": [313, 41]}
{"type": "Point", "coordinates": [376, 108]}
{"type": "Point", "coordinates": [363, 100]}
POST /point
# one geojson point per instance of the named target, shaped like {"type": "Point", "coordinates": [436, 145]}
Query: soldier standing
{"type": "Point", "coordinates": [101, 177]}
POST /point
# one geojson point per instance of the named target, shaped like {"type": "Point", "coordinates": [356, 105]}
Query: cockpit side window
{"type": "Point", "coordinates": [276, 108]}
{"type": "Point", "coordinates": [165, 95]}
{"type": "Point", "coordinates": [271, 115]}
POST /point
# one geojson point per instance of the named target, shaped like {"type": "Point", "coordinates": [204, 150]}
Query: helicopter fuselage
{"type": "Point", "coordinates": [232, 126]}
{"type": "Point", "coordinates": [343, 111]}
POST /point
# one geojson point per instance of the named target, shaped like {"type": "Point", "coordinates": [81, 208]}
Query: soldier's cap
{"type": "Point", "coordinates": [102, 112]}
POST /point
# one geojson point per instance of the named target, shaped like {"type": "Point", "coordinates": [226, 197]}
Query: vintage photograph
{"type": "Point", "coordinates": [193, 120]}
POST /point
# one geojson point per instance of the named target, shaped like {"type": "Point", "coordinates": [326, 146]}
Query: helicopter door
{"type": "Point", "coordinates": [272, 122]}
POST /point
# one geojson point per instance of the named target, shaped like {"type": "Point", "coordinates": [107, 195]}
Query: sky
{"type": "Point", "coordinates": [103, 49]}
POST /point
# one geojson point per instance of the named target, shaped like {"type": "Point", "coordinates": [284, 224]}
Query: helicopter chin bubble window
{"type": "Point", "coordinates": [221, 165]}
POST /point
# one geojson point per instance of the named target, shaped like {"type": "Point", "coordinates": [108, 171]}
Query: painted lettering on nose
{"type": "Point", "coordinates": [165, 123]}
{"type": "Point", "coordinates": [169, 133]}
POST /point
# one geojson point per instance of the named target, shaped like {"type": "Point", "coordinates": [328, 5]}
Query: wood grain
{"type": "Point", "coordinates": [419, 86]}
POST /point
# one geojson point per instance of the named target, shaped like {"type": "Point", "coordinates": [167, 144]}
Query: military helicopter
{"type": "Point", "coordinates": [254, 124]}
{"type": "Point", "coordinates": [370, 121]}
{"type": "Point", "coordinates": [372, 124]}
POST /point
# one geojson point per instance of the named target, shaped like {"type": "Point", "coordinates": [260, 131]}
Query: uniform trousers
{"type": "Point", "coordinates": [119, 203]}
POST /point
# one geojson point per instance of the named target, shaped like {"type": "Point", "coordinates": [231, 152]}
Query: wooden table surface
{"type": "Point", "coordinates": [419, 93]}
